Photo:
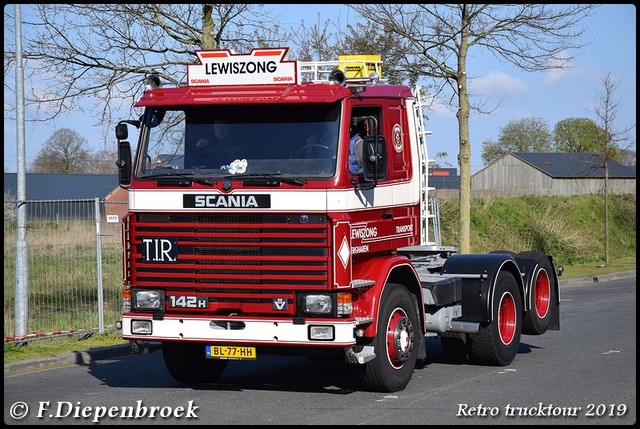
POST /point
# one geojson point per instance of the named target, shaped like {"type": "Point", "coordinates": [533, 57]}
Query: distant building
{"type": "Point", "coordinates": [551, 174]}
{"type": "Point", "coordinates": [67, 196]}
{"type": "Point", "coordinates": [444, 178]}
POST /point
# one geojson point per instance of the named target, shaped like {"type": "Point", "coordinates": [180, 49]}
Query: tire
{"type": "Point", "coordinates": [188, 364]}
{"type": "Point", "coordinates": [543, 295]}
{"type": "Point", "coordinates": [395, 343]}
{"type": "Point", "coordinates": [497, 343]}
{"type": "Point", "coordinates": [455, 347]}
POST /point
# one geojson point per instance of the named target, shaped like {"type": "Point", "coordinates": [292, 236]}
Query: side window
{"type": "Point", "coordinates": [365, 121]}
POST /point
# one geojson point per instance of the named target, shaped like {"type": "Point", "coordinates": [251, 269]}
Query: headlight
{"type": "Point", "coordinates": [318, 304]}
{"type": "Point", "coordinates": [148, 299]}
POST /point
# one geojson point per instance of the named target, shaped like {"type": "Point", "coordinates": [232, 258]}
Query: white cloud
{"type": "Point", "coordinates": [555, 75]}
{"type": "Point", "coordinates": [497, 83]}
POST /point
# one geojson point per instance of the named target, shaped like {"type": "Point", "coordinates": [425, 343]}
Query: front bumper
{"type": "Point", "coordinates": [245, 331]}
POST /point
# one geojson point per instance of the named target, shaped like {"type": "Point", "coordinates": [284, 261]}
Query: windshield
{"type": "Point", "coordinates": [297, 140]}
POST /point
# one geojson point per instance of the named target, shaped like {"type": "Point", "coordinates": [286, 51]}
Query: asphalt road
{"type": "Point", "coordinates": [583, 374]}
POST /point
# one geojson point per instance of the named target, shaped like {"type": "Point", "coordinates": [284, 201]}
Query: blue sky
{"type": "Point", "coordinates": [552, 96]}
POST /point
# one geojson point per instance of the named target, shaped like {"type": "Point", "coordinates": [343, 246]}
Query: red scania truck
{"type": "Point", "coordinates": [309, 229]}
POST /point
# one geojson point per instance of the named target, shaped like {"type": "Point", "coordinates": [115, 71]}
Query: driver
{"type": "Point", "coordinates": [214, 150]}
{"type": "Point", "coordinates": [356, 146]}
{"type": "Point", "coordinates": [321, 143]}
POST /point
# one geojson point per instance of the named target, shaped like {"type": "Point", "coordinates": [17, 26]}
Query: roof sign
{"type": "Point", "coordinates": [260, 67]}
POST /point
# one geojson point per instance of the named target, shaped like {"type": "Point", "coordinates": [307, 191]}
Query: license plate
{"type": "Point", "coordinates": [230, 352]}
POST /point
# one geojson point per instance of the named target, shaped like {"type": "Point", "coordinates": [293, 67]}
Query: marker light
{"type": "Point", "coordinates": [345, 305]}
{"type": "Point", "coordinates": [126, 300]}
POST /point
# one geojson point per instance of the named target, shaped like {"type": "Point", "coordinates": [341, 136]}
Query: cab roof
{"type": "Point", "coordinates": [266, 94]}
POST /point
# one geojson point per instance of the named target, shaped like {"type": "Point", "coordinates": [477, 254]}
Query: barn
{"type": "Point", "coordinates": [552, 174]}
{"type": "Point", "coordinates": [67, 196]}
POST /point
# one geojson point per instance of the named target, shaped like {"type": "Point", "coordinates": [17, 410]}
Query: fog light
{"type": "Point", "coordinates": [141, 327]}
{"type": "Point", "coordinates": [321, 333]}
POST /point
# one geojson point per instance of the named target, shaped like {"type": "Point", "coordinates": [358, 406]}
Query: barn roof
{"type": "Point", "coordinates": [42, 186]}
{"type": "Point", "coordinates": [574, 165]}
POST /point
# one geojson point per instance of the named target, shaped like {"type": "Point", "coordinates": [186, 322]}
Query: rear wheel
{"type": "Point", "coordinates": [497, 342]}
{"type": "Point", "coordinates": [538, 318]}
{"type": "Point", "coordinates": [395, 343]}
{"type": "Point", "coordinates": [188, 364]}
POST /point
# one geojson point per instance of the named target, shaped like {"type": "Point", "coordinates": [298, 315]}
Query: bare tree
{"type": "Point", "coordinates": [63, 152]}
{"type": "Point", "coordinates": [437, 39]}
{"type": "Point", "coordinates": [326, 41]}
{"type": "Point", "coordinates": [317, 42]}
{"type": "Point", "coordinates": [103, 162]}
{"type": "Point", "coordinates": [627, 156]}
{"type": "Point", "coordinates": [93, 58]}
{"type": "Point", "coordinates": [606, 110]}
{"type": "Point", "coordinates": [369, 39]}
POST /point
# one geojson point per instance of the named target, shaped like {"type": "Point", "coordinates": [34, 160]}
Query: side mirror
{"type": "Point", "coordinates": [375, 158]}
{"type": "Point", "coordinates": [124, 163]}
{"type": "Point", "coordinates": [122, 131]}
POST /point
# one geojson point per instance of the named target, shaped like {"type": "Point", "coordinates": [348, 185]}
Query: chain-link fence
{"type": "Point", "coordinates": [74, 266]}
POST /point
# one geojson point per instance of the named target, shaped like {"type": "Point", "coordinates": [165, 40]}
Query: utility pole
{"type": "Point", "coordinates": [22, 273]}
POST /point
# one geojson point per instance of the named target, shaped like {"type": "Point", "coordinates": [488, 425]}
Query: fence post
{"type": "Point", "coordinates": [99, 268]}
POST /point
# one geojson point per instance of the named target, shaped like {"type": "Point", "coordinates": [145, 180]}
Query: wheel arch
{"type": "Point", "coordinates": [385, 270]}
{"type": "Point", "coordinates": [479, 273]}
{"type": "Point", "coordinates": [407, 276]}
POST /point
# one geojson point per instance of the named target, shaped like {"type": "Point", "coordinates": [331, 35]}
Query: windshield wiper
{"type": "Point", "coordinates": [273, 179]}
{"type": "Point", "coordinates": [187, 179]}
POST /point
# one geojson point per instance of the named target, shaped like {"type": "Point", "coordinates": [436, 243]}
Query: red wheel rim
{"type": "Point", "coordinates": [542, 294]}
{"type": "Point", "coordinates": [507, 318]}
{"type": "Point", "coordinates": [399, 338]}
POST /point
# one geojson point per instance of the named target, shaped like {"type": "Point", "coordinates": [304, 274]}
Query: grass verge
{"type": "Point", "coordinates": [55, 346]}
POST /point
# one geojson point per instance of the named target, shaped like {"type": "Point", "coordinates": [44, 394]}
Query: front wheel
{"type": "Point", "coordinates": [497, 342]}
{"type": "Point", "coordinates": [187, 363]}
{"type": "Point", "coordinates": [395, 343]}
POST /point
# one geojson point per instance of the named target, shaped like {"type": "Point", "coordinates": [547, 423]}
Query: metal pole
{"type": "Point", "coordinates": [21, 298]}
{"type": "Point", "coordinates": [99, 268]}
